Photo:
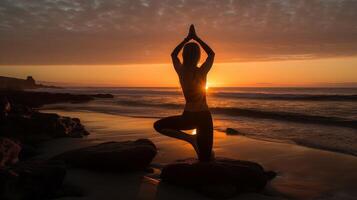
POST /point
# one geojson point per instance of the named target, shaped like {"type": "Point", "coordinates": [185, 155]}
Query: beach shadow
{"type": "Point", "coordinates": [166, 191]}
{"type": "Point", "coordinates": [102, 185]}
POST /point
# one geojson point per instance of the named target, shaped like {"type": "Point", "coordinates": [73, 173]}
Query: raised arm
{"type": "Point", "coordinates": [206, 66]}
{"type": "Point", "coordinates": [174, 55]}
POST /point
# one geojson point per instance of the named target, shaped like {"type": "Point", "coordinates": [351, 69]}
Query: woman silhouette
{"type": "Point", "coordinates": [196, 114]}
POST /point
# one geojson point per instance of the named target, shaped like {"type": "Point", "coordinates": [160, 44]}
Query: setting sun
{"type": "Point", "coordinates": [207, 86]}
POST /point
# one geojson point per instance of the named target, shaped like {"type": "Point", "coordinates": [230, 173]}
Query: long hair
{"type": "Point", "coordinates": [191, 54]}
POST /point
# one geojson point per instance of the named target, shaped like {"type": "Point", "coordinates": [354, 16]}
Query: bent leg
{"type": "Point", "coordinates": [172, 126]}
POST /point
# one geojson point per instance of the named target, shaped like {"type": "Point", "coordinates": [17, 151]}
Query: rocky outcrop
{"type": "Point", "coordinates": [30, 126]}
{"type": "Point", "coordinates": [31, 180]}
{"type": "Point", "coordinates": [38, 99]}
{"type": "Point", "coordinates": [20, 122]}
{"type": "Point", "coordinates": [20, 84]}
{"type": "Point", "coordinates": [222, 178]}
{"type": "Point", "coordinates": [16, 83]}
{"type": "Point", "coordinates": [112, 156]}
{"type": "Point", "coordinates": [57, 126]}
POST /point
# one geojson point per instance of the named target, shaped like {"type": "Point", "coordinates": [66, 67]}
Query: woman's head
{"type": "Point", "coordinates": [191, 54]}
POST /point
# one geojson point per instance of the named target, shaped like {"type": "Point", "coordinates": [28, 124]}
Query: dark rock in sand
{"type": "Point", "coordinates": [58, 126]}
{"type": "Point", "coordinates": [231, 131]}
{"type": "Point", "coordinates": [31, 180]}
{"type": "Point", "coordinates": [40, 127]}
{"type": "Point", "coordinates": [222, 178]}
{"type": "Point", "coordinates": [19, 120]}
{"type": "Point", "coordinates": [9, 152]}
{"type": "Point", "coordinates": [29, 126]}
{"type": "Point", "coordinates": [5, 107]}
{"type": "Point", "coordinates": [112, 156]}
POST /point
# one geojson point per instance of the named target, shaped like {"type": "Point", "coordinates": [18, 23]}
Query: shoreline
{"type": "Point", "coordinates": [303, 172]}
{"type": "Point", "coordinates": [303, 143]}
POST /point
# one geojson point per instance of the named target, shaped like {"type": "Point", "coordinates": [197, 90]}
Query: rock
{"type": "Point", "coordinates": [112, 156]}
{"type": "Point", "coordinates": [9, 152]}
{"type": "Point", "coordinates": [59, 126]}
{"type": "Point", "coordinates": [29, 126]}
{"type": "Point", "coordinates": [231, 131]}
{"type": "Point", "coordinates": [222, 178]}
{"type": "Point", "coordinates": [31, 180]}
{"type": "Point", "coordinates": [5, 107]}
{"type": "Point", "coordinates": [38, 99]}
{"type": "Point", "coordinates": [20, 84]}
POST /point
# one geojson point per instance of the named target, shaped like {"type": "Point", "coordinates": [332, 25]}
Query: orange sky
{"type": "Point", "coordinates": [319, 72]}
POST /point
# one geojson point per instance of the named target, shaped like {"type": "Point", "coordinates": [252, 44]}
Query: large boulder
{"type": "Point", "coordinates": [58, 126]}
{"type": "Point", "coordinates": [5, 107]}
{"type": "Point", "coordinates": [32, 180]}
{"type": "Point", "coordinates": [32, 127]}
{"type": "Point", "coordinates": [222, 178]}
{"type": "Point", "coordinates": [112, 156]}
{"type": "Point", "coordinates": [9, 152]}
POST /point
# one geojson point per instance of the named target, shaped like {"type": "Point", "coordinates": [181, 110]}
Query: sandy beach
{"type": "Point", "coordinates": [303, 173]}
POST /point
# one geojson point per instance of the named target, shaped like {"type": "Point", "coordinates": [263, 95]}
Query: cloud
{"type": "Point", "coordinates": [145, 31]}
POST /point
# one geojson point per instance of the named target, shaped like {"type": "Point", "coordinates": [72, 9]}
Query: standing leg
{"type": "Point", "coordinates": [172, 126]}
{"type": "Point", "coordinates": [205, 137]}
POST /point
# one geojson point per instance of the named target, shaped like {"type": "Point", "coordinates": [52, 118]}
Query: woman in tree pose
{"type": "Point", "coordinates": [196, 114]}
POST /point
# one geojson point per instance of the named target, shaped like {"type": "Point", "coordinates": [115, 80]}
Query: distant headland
{"type": "Point", "coordinates": [20, 84]}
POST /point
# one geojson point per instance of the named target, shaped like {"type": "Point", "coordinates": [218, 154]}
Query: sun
{"type": "Point", "coordinates": [207, 86]}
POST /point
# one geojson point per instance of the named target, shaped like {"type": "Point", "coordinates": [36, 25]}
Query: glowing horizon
{"type": "Point", "coordinates": [333, 72]}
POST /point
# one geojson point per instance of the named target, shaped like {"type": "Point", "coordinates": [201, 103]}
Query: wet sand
{"type": "Point", "coordinates": [303, 173]}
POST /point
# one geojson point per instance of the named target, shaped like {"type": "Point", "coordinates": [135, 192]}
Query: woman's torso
{"type": "Point", "coordinates": [193, 84]}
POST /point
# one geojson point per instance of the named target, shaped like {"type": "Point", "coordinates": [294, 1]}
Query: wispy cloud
{"type": "Point", "coordinates": [139, 31]}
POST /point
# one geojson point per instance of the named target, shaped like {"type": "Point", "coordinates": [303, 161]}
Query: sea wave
{"type": "Point", "coordinates": [262, 114]}
{"type": "Point", "coordinates": [272, 94]}
{"type": "Point", "coordinates": [250, 95]}
{"type": "Point", "coordinates": [290, 97]}
{"type": "Point", "coordinates": [318, 145]}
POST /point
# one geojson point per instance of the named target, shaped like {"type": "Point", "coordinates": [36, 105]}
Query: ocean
{"type": "Point", "coordinates": [322, 118]}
